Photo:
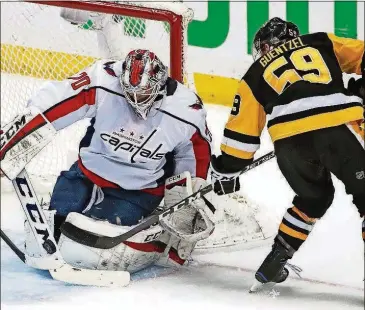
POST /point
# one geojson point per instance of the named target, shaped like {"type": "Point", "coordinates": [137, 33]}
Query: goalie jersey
{"type": "Point", "coordinates": [296, 87]}
{"type": "Point", "coordinates": [120, 149]}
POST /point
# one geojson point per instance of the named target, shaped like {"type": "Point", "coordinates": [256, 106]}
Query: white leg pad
{"type": "Point", "coordinates": [140, 251]}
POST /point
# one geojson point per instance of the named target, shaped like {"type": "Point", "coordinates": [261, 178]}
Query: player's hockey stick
{"type": "Point", "coordinates": [259, 161]}
{"type": "Point", "coordinates": [103, 242]}
{"type": "Point", "coordinates": [11, 245]}
{"type": "Point", "coordinates": [51, 258]}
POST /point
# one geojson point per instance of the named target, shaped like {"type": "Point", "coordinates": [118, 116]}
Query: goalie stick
{"type": "Point", "coordinates": [51, 258]}
{"type": "Point", "coordinates": [104, 242]}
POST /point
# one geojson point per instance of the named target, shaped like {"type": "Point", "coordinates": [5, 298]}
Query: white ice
{"type": "Point", "coordinates": [331, 259]}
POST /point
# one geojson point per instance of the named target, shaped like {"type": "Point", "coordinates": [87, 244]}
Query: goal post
{"type": "Point", "coordinates": [175, 13]}
{"type": "Point", "coordinates": [39, 45]}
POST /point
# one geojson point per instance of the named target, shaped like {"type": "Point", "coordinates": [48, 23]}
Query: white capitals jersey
{"type": "Point", "coordinates": [119, 148]}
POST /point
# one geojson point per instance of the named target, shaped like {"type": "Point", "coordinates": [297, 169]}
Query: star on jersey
{"type": "Point", "coordinates": [132, 133]}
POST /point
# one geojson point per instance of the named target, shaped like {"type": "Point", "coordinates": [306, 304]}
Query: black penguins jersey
{"type": "Point", "coordinates": [296, 87]}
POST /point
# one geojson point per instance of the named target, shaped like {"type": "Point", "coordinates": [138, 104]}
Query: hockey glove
{"type": "Point", "coordinates": [357, 87]}
{"type": "Point", "coordinates": [224, 182]}
{"type": "Point", "coordinates": [194, 222]}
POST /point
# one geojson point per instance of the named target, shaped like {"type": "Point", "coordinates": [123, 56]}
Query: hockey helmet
{"type": "Point", "coordinates": [274, 32]}
{"type": "Point", "coordinates": [143, 78]}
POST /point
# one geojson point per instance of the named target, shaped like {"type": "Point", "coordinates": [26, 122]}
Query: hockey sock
{"type": "Point", "coordinates": [295, 227]}
{"type": "Point", "coordinates": [363, 229]}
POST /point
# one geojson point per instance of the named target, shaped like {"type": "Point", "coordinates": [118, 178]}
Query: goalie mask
{"type": "Point", "coordinates": [273, 33]}
{"type": "Point", "coordinates": [143, 78]}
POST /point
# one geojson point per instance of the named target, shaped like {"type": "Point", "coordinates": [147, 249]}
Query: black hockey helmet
{"type": "Point", "coordinates": [274, 32]}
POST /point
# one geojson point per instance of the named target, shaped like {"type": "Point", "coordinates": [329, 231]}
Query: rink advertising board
{"type": "Point", "coordinates": [219, 41]}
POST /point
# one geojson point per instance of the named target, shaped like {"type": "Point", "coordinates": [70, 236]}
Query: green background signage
{"type": "Point", "coordinates": [212, 32]}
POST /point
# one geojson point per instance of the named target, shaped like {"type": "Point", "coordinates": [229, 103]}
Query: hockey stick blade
{"type": "Point", "coordinates": [78, 276]}
{"type": "Point", "coordinates": [104, 242]}
{"type": "Point", "coordinates": [69, 274]}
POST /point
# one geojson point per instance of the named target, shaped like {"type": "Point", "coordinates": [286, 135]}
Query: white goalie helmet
{"type": "Point", "coordinates": [143, 78]}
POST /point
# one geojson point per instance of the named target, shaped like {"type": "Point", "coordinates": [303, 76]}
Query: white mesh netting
{"type": "Point", "coordinates": [37, 45]}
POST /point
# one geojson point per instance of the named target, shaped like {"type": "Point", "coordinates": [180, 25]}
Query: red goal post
{"type": "Point", "coordinates": [175, 13]}
{"type": "Point", "coordinates": [38, 45]}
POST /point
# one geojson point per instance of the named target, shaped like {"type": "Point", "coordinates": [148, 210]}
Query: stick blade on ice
{"type": "Point", "coordinates": [106, 278]}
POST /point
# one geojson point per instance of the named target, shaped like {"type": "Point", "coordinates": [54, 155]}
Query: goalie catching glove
{"type": "Point", "coordinates": [194, 222]}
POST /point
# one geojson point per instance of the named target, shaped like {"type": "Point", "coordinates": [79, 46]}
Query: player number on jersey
{"type": "Point", "coordinates": [236, 105]}
{"type": "Point", "coordinates": [305, 59]}
{"type": "Point", "coordinates": [80, 80]}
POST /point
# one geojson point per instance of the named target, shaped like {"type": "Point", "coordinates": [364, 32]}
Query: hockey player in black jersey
{"type": "Point", "coordinates": [315, 123]}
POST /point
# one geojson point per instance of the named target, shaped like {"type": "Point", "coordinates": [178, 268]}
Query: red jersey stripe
{"type": "Point", "coordinates": [202, 155]}
{"type": "Point", "coordinates": [101, 182]}
{"type": "Point", "coordinates": [71, 104]}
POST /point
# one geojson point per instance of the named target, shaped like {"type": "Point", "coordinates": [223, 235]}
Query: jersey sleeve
{"type": "Point", "coordinates": [349, 53]}
{"type": "Point", "coordinates": [65, 102]}
{"type": "Point", "coordinates": [241, 137]}
{"type": "Point", "coordinates": [193, 154]}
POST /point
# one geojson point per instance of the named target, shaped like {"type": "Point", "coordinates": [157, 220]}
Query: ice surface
{"type": "Point", "coordinates": [331, 259]}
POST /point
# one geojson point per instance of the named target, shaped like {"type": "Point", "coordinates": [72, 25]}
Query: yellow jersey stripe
{"type": "Point", "coordinates": [236, 153]}
{"type": "Point", "coordinates": [315, 122]}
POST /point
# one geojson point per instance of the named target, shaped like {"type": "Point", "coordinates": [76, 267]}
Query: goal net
{"type": "Point", "coordinates": [45, 40]}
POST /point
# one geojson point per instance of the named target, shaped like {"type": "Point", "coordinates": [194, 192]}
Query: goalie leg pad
{"type": "Point", "coordinates": [140, 251]}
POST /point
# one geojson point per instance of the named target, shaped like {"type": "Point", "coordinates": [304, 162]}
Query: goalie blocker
{"type": "Point", "coordinates": [22, 139]}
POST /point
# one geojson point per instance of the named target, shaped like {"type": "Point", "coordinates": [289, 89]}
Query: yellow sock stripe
{"type": "Point", "coordinates": [306, 218]}
{"type": "Point", "coordinates": [291, 232]}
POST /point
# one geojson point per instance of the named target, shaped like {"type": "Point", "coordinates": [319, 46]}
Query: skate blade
{"type": "Point", "coordinates": [261, 287]}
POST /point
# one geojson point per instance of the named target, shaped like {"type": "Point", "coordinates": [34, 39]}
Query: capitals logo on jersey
{"type": "Point", "coordinates": [136, 146]}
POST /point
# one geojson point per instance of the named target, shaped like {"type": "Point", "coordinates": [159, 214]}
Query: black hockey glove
{"type": "Point", "coordinates": [224, 182]}
{"type": "Point", "coordinates": [357, 87]}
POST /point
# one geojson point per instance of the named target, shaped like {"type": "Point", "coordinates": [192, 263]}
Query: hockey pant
{"type": "Point", "coordinates": [307, 161]}
{"type": "Point", "coordinates": [74, 192]}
